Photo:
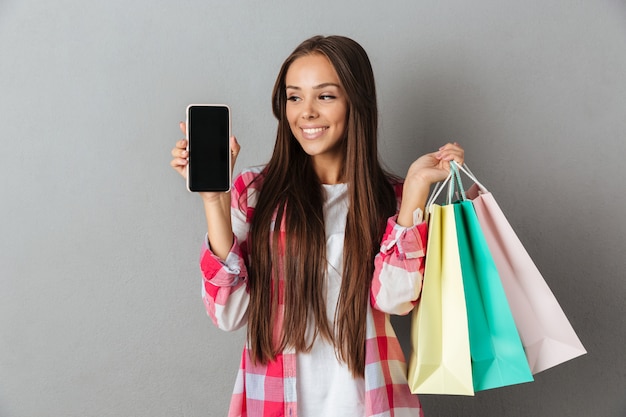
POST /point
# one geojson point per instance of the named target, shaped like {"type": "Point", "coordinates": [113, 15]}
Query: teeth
{"type": "Point", "coordinates": [313, 131]}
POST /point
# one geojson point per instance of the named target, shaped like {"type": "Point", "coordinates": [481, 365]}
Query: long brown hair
{"type": "Point", "coordinates": [291, 192]}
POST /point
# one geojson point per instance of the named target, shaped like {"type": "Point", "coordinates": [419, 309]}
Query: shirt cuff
{"type": "Point", "coordinates": [212, 265]}
{"type": "Point", "coordinates": [408, 242]}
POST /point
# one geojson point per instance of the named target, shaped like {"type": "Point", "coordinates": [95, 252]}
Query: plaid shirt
{"type": "Point", "coordinates": [270, 390]}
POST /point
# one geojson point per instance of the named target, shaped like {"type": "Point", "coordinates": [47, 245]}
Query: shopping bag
{"type": "Point", "coordinates": [498, 357]}
{"type": "Point", "coordinates": [440, 359]}
{"type": "Point", "coordinates": [547, 335]}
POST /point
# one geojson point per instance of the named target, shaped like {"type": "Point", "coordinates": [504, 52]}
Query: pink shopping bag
{"type": "Point", "coordinates": [547, 335]}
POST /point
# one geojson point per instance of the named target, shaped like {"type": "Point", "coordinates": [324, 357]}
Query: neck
{"type": "Point", "coordinates": [328, 170]}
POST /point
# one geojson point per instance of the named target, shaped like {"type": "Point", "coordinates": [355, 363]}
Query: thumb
{"type": "Point", "coordinates": [234, 150]}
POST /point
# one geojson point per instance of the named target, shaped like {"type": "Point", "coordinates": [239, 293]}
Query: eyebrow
{"type": "Point", "coordinates": [317, 87]}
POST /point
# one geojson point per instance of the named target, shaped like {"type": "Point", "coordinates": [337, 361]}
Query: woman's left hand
{"type": "Point", "coordinates": [425, 171]}
{"type": "Point", "coordinates": [434, 167]}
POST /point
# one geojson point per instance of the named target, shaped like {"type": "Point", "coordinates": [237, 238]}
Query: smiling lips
{"type": "Point", "coordinates": [313, 132]}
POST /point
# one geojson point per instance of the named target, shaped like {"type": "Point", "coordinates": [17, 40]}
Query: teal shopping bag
{"type": "Point", "coordinates": [498, 357]}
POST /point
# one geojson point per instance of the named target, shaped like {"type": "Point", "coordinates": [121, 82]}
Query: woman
{"type": "Point", "coordinates": [314, 250]}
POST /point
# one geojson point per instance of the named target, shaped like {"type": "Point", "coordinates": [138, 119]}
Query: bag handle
{"type": "Point", "coordinates": [436, 191]}
{"type": "Point", "coordinates": [454, 180]}
{"type": "Point", "coordinates": [456, 183]}
{"type": "Point", "coordinates": [470, 175]}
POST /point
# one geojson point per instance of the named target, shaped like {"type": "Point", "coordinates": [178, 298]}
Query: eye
{"type": "Point", "coordinates": [327, 97]}
{"type": "Point", "coordinates": [293, 98]}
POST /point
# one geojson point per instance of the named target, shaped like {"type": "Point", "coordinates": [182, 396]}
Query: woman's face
{"type": "Point", "coordinates": [316, 107]}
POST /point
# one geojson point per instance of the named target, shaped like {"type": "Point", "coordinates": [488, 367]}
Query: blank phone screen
{"type": "Point", "coordinates": [209, 162]}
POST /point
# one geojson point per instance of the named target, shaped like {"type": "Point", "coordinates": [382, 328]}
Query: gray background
{"type": "Point", "coordinates": [100, 309]}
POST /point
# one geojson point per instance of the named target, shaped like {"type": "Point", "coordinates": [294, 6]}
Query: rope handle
{"type": "Point", "coordinates": [471, 176]}
{"type": "Point", "coordinates": [454, 178]}
{"type": "Point", "coordinates": [456, 184]}
{"type": "Point", "coordinates": [436, 191]}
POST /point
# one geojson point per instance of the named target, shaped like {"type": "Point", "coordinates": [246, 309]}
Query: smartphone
{"type": "Point", "coordinates": [208, 133]}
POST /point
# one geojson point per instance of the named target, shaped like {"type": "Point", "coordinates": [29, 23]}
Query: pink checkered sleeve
{"type": "Point", "coordinates": [399, 266]}
{"type": "Point", "coordinates": [224, 290]}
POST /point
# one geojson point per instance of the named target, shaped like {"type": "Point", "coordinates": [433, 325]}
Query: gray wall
{"type": "Point", "coordinates": [100, 310]}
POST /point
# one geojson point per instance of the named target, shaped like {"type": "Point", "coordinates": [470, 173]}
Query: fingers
{"type": "Point", "coordinates": [179, 162]}
{"type": "Point", "coordinates": [451, 151]}
{"type": "Point", "coordinates": [234, 146]}
{"type": "Point", "coordinates": [234, 151]}
{"type": "Point", "coordinates": [180, 154]}
{"type": "Point", "coordinates": [179, 149]}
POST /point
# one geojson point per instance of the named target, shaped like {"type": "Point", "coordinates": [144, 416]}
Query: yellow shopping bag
{"type": "Point", "coordinates": [440, 361]}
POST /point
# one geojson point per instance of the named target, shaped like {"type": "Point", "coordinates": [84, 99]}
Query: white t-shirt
{"type": "Point", "coordinates": [325, 386]}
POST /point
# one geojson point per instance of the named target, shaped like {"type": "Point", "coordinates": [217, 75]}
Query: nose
{"type": "Point", "coordinates": [309, 111]}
